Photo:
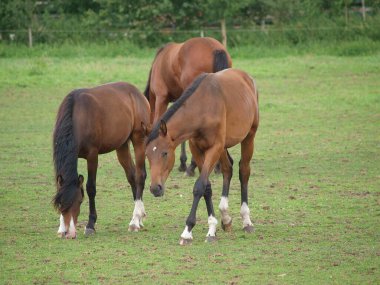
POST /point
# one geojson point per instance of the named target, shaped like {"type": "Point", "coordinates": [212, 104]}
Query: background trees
{"type": "Point", "coordinates": [151, 22]}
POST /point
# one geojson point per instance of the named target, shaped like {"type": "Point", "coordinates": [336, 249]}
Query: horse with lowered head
{"type": "Point", "coordinates": [218, 111]}
{"type": "Point", "coordinates": [174, 68]}
{"type": "Point", "coordinates": [90, 122]}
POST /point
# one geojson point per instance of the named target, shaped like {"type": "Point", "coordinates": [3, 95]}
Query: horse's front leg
{"type": "Point", "coordinates": [92, 166]}
{"type": "Point", "coordinates": [198, 192]}
{"type": "Point", "coordinates": [161, 105]}
{"type": "Point", "coordinates": [212, 222]}
{"type": "Point", "coordinates": [202, 188]}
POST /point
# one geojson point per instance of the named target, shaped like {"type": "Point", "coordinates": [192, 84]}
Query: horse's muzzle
{"type": "Point", "coordinates": [157, 190]}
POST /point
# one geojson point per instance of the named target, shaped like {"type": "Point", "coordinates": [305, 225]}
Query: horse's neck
{"type": "Point", "coordinates": [183, 125]}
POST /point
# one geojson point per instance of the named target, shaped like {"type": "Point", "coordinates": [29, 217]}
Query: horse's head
{"type": "Point", "coordinates": [68, 200]}
{"type": "Point", "coordinates": [160, 153]}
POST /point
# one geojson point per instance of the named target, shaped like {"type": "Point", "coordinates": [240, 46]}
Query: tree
{"type": "Point", "coordinates": [220, 10]}
{"type": "Point", "coordinates": [19, 14]}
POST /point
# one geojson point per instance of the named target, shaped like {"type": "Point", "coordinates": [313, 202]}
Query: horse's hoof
{"type": "Point", "coordinates": [133, 228]}
{"type": "Point", "coordinates": [249, 229]}
{"type": "Point", "coordinates": [184, 241]}
{"type": "Point", "coordinates": [190, 172]}
{"type": "Point", "coordinates": [182, 168]}
{"type": "Point", "coordinates": [61, 235]}
{"type": "Point", "coordinates": [227, 227]}
{"type": "Point", "coordinates": [211, 239]}
{"type": "Point", "coordinates": [89, 232]}
{"type": "Point", "coordinates": [68, 236]}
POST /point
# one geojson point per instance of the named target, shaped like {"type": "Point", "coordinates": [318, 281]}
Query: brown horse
{"type": "Point", "coordinates": [91, 122]}
{"type": "Point", "coordinates": [175, 66]}
{"type": "Point", "coordinates": [215, 113]}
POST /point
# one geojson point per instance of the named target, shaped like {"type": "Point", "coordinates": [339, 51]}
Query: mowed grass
{"type": "Point", "coordinates": [313, 193]}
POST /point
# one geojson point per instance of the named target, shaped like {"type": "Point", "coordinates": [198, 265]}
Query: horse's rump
{"type": "Point", "coordinates": [176, 65]}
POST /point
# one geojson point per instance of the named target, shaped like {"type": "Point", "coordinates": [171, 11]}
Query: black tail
{"type": "Point", "coordinates": [220, 60]}
{"type": "Point", "coordinates": [65, 154]}
{"type": "Point", "coordinates": [147, 88]}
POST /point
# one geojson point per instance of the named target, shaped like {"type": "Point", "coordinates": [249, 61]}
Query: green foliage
{"type": "Point", "coordinates": [153, 23]}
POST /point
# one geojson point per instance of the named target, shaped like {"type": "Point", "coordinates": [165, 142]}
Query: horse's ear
{"type": "Point", "coordinates": [163, 129]}
{"type": "Point", "coordinates": [146, 129]}
{"type": "Point", "coordinates": [80, 180]}
{"type": "Point", "coordinates": [59, 180]}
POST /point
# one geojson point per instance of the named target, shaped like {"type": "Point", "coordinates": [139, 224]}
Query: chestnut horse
{"type": "Point", "coordinates": [218, 111]}
{"type": "Point", "coordinates": [175, 66]}
{"type": "Point", "coordinates": [91, 122]}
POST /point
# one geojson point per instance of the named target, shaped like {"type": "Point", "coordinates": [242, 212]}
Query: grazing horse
{"type": "Point", "coordinates": [91, 122]}
{"type": "Point", "coordinates": [218, 111]}
{"type": "Point", "coordinates": [175, 66]}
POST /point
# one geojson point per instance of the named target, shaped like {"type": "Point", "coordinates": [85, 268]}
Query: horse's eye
{"type": "Point", "coordinates": [164, 154]}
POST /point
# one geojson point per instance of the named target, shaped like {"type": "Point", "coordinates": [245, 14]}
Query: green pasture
{"type": "Point", "coordinates": [314, 191]}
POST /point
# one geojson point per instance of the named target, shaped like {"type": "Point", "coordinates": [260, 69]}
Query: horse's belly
{"type": "Point", "coordinates": [237, 130]}
{"type": "Point", "coordinates": [109, 138]}
{"type": "Point", "coordinates": [230, 142]}
{"type": "Point", "coordinates": [116, 139]}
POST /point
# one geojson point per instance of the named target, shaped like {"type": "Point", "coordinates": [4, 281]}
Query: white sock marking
{"type": "Point", "coordinates": [244, 212]}
{"type": "Point", "coordinates": [62, 227]}
{"type": "Point", "coordinates": [138, 214]}
{"type": "Point", "coordinates": [223, 208]}
{"type": "Point", "coordinates": [72, 230]}
{"type": "Point", "coordinates": [186, 234]}
{"type": "Point", "coordinates": [212, 222]}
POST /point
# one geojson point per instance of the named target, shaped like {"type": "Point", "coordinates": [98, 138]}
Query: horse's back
{"type": "Point", "coordinates": [196, 56]}
{"type": "Point", "coordinates": [105, 116]}
{"type": "Point", "coordinates": [177, 64]}
{"type": "Point", "coordinates": [126, 99]}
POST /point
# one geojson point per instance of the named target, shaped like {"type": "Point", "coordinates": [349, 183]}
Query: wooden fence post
{"type": "Point", "coordinates": [30, 37]}
{"type": "Point", "coordinates": [224, 32]}
{"type": "Point", "coordinates": [363, 10]}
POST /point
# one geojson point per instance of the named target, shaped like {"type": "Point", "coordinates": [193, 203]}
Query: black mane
{"type": "Point", "coordinates": [65, 153]}
{"type": "Point", "coordinates": [177, 104]}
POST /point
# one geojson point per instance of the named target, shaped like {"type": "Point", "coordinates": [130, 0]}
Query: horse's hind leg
{"type": "Point", "coordinates": [125, 159]}
{"type": "Point", "coordinates": [140, 176]}
{"type": "Point", "coordinates": [247, 147]}
{"type": "Point", "coordinates": [182, 167]}
{"type": "Point", "coordinates": [92, 166]}
{"type": "Point", "coordinates": [226, 163]}
{"type": "Point", "coordinates": [190, 171]}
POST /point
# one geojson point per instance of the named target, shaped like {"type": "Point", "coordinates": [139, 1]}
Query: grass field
{"type": "Point", "coordinates": [314, 191]}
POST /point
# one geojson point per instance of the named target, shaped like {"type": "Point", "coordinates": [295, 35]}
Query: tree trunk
{"type": "Point", "coordinates": [224, 32]}
{"type": "Point", "coordinates": [346, 12]}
